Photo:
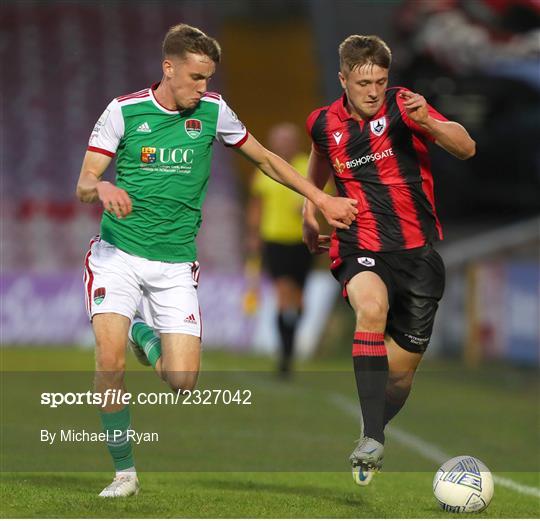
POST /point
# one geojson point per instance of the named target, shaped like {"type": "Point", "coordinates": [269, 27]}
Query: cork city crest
{"type": "Point", "coordinates": [148, 154]}
{"type": "Point", "coordinates": [99, 296]}
{"type": "Point", "coordinates": [193, 128]}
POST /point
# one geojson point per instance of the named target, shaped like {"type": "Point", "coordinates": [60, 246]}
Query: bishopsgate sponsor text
{"type": "Point", "coordinates": [359, 161]}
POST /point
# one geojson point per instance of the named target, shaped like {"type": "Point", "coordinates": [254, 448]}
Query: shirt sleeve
{"type": "Point", "coordinates": [417, 129]}
{"type": "Point", "coordinates": [108, 131]}
{"type": "Point", "coordinates": [309, 129]}
{"type": "Point", "coordinates": [230, 130]}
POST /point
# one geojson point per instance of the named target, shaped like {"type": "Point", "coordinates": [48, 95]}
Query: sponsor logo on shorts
{"type": "Point", "coordinates": [148, 154]}
{"type": "Point", "coordinates": [191, 319]}
{"type": "Point", "coordinates": [366, 261]}
{"type": "Point", "coordinates": [193, 128]}
{"type": "Point", "coordinates": [416, 339]}
{"type": "Point", "coordinates": [99, 296]}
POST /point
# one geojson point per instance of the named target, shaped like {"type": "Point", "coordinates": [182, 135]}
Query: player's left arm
{"type": "Point", "coordinates": [338, 211]}
{"type": "Point", "coordinates": [449, 135]}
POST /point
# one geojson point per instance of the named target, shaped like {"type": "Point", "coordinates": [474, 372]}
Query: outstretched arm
{"type": "Point", "coordinates": [90, 187]}
{"type": "Point", "coordinates": [447, 134]}
{"type": "Point", "coordinates": [338, 211]}
{"type": "Point", "coordinates": [318, 174]}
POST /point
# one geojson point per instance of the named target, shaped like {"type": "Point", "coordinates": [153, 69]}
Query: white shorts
{"type": "Point", "coordinates": [163, 293]}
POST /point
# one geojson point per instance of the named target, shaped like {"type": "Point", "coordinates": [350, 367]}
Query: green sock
{"type": "Point", "coordinates": [145, 337]}
{"type": "Point", "coordinates": [115, 425]}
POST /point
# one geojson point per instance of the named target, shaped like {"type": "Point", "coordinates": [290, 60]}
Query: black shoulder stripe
{"type": "Point", "coordinates": [392, 107]}
{"type": "Point", "coordinates": [318, 131]}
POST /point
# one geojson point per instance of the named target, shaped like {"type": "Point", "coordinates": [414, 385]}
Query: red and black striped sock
{"type": "Point", "coordinates": [371, 371]}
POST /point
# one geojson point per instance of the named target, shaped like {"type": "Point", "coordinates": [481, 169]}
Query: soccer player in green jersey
{"type": "Point", "coordinates": [144, 260]}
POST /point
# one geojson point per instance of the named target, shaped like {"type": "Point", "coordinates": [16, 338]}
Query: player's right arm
{"type": "Point", "coordinates": [90, 187]}
{"type": "Point", "coordinates": [338, 211]}
{"type": "Point", "coordinates": [318, 174]}
{"type": "Point", "coordinates": [104, 141]}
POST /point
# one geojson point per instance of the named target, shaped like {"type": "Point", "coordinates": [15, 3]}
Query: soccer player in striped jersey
{"type": "Point", "coordinates": [374, 140]}
{"type": "Point", "coordinates": [144, 260]}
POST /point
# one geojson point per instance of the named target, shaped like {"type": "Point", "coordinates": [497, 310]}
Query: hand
{"type": "Point", "coordinates": [415, 106]}
{"type": "Point", "coordinates": [114, 199]}
{"type": "Point", "coordinates": [339, 212]}
{"type": "Point", "coordinates": [315, 243]}
{"type": "Point", "coordinates": [310, 233]}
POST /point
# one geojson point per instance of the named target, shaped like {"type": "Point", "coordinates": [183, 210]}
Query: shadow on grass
{"type": "Point", "coordinates": [316, 492]}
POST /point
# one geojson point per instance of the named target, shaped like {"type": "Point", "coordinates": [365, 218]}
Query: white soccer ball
{"type": "Point", "coordinates": [463, 484]}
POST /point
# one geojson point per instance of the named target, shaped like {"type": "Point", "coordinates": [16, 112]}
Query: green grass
{"type": "Point", "coordinates": [285, 456]}
{"type": "Point", "coordinates": [242, 495]}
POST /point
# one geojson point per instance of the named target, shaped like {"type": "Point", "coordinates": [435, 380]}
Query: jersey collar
{"type": "Point", "coordinates": [339, 107]}
{"type": "Point", "coordinates": [157, 103]}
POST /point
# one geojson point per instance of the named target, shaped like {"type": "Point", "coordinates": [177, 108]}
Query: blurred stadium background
{"type": "Point", "coordinates": [476, 61]}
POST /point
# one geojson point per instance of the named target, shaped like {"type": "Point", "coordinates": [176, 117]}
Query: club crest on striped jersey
{"type": "Point", "coordinates": [378, 126]}
{"type": "Point", "coordinates": [99, 296]}
{"type": "Point", "coordinates": [148, 154]}
{"type": "Point", "coordinates": [193, 128]}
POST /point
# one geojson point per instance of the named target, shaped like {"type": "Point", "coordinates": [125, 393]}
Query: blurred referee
{"type": "Point", "coordinates": [274, 221]}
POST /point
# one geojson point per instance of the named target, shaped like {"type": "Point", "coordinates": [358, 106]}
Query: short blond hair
{"type": "Point", "coordinates": [357, 50]}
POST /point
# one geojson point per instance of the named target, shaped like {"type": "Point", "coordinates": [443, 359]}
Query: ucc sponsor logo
{"type": "Point", "coordinates": [167, 155]}
{"type": "Point", "coordinates": [370, 158]}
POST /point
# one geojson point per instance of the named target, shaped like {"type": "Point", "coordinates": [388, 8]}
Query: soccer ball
{"type": "Point", "coordinates": [463, 484]}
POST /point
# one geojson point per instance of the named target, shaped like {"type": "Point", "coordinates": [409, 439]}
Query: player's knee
{"type": "Point", "coordinates": [371, 314]}
{"type": "Point", "coordinates": [110, 363]}
{"type": "Point", "coordinates": [181, 381]}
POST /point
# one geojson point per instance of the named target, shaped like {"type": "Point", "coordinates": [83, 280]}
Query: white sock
{"type": "Point", "coordinates": [131, 472]}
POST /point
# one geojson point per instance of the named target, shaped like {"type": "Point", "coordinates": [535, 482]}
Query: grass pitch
{"type": "Point", "coordinates": [284, 457]}
{"type": "Point", "coordinates": [243, 495]}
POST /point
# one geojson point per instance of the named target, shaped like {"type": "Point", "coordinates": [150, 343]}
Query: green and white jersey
{"type": "Point", "coordinates": [163, 160]}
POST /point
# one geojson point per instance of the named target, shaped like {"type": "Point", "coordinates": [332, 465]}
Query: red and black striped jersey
{"type": "Point", "coordinates": [384, 164]}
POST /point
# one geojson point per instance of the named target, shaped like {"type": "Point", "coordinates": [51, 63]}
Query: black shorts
{"type": "Point", "coordinates": [287, 260]}
{"type": "Point", "coordinates": [415, 282]}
